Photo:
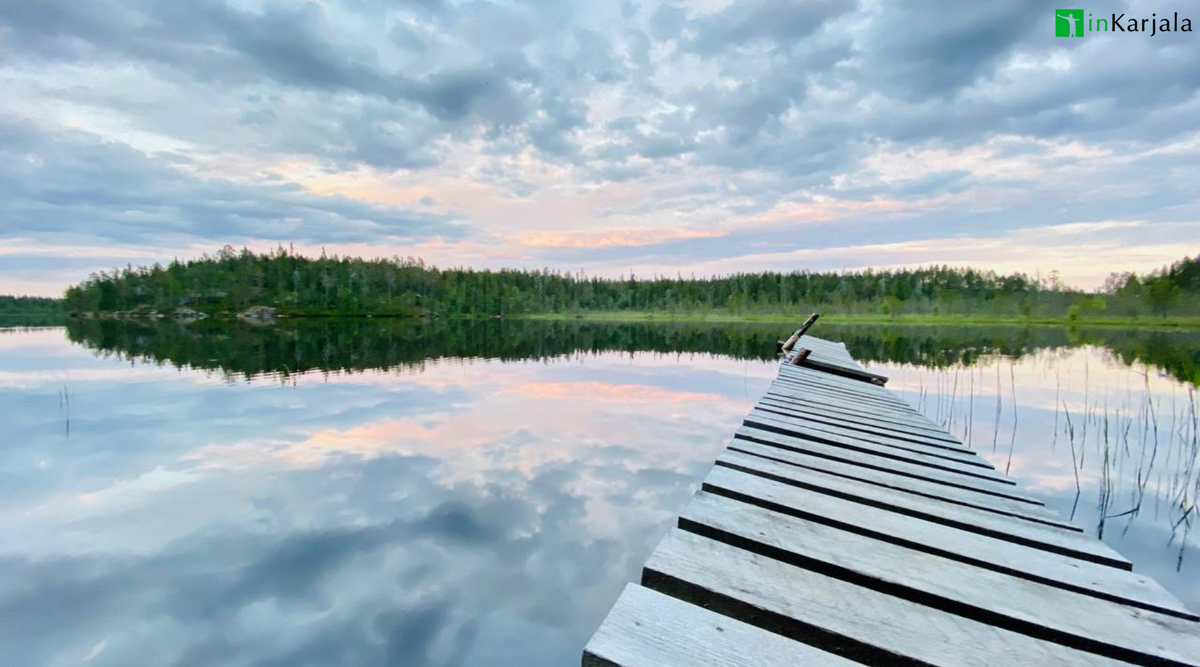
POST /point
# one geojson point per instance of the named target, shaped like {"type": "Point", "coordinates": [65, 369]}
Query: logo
{"type": "Point", "coordinates": [1068, 23]}
{"type": "Point", "coordinates": [1073, 23]}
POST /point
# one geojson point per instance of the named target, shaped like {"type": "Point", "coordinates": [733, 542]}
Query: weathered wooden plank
{"type": "Point", "coordinates": [649, 629]}
{"type": "Point", "coordinates": [847, 392]}
{"type": "Point", "coordinates": [843, 370]}
{"type": "Point", "coordinates": [976, 467]}
{"type": "Point", "coordinates": [884, 460]}
{"type": "Point", "coordinates": [915, 484]}
{"type": "Point", "coordinates": [802, 373]}
{"type": "Point", "coordinates": [834, 406]}
{"type": "Point", "coordinates": [829, 349]}
{"type": "Point", "coordinates": [842, 399]}
{"type": "Point", "coordinates": [1009, 602]}
{"type": "Point", "coordinates": [1000, 528]}
{"type": "Point", "coordinates": [816, 340]}
{"type": "Point", "coordinates": [1051, 569]}
{"type": "Point", "coordinates": [835, 357]}
{"type": "Point", "coordinates": [860, 421]}
{"type": "Point", "coordinates": [836, 616]}
{"type": "Point", "coordinates": [830, 353]}
{"type": "Point", "coordinates": [825, 377]}
{"type": "Point", "coordinates": [818, 403]}
{"type": "Point", "coordinates": [804, 387]}
{"type": "Point", "coordinates": [970, 472]}
{"type": "Point", "coordinates": [905, 416]}
{"type": "Point", "coordinates": [867, 430]}
{"type": "Point", "coordinates": [940, 447]}
{"type": "Point", "coordinates": [813, 393]}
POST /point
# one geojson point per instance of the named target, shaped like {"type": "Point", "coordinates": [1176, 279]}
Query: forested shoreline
{"type": "Point", "coordinates": [232, 281]}
{"type": "Point", "coordinates": [31, 310]}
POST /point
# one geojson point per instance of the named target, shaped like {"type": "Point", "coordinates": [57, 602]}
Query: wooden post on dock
{"type": "Point", "coordinates": [791, 342]}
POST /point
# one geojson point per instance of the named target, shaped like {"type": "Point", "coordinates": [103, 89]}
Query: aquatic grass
{"type": "Point", "coordinates": [1012, 375]}
{"type": "Point", "coordinates": [999, 401]}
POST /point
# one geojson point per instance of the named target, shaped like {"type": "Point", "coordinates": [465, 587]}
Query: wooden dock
{"type": "Point", "coordinates": [842, 527]}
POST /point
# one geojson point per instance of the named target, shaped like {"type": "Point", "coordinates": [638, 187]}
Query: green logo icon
{"type": "Point", "coordinates": [1068, 23]}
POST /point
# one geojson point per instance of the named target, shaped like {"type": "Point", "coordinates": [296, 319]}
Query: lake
{"type": "Point", "coordinates": [383, 493]}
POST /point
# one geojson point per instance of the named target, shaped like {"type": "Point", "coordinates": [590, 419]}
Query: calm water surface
{"type": "Point", "coordinates": [381, 494]}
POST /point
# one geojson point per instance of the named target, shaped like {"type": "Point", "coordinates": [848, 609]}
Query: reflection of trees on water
{"type": "Point", "coordinates": [1176, 353]}
{"type": "Point", "coordinates": [361, 344]}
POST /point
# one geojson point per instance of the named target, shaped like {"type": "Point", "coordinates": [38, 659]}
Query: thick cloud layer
{"type": "Point", "coordinates": [587, 134]}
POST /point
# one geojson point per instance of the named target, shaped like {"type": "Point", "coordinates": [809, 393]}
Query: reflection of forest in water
{"type": "Point", "coordinates": [361, 344]}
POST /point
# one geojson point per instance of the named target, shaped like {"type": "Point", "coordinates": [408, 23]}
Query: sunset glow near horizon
{"type": "Point", "coordinates": [651, 137]}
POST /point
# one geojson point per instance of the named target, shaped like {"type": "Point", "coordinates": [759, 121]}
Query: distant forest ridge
{"type": "Point", "coordinates": [34, 309]}
{"type": "Point", "coordinates": [232, 281]}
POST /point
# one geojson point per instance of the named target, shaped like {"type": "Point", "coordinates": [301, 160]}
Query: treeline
{"type": "Point", "coordinates": [30, 310]}
{"type": "Point", "coordinates": [1174, 288]}
{"type": "Point", "coordinates": [232, 281]}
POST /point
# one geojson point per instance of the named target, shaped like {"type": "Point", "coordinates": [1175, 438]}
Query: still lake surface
{"type": "Point", "coordinates": [377, 493]}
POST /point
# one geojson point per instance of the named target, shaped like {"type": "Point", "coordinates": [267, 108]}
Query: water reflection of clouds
{"type": "Point", "coordinates": [369, 519]}
{"type": "Point", "coordinates": [463, 512]}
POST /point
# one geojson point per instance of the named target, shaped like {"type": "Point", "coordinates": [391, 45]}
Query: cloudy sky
{"type": "Point", "coordinates": [710, 137]}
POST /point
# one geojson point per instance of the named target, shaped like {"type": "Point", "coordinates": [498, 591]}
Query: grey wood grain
{"type": "Point", "coordinates": [903, 420]}
{"type": "Point", "coordinates": [836, 369]}
{"type": "Point", "coordinates": [899, 462]}
{"type": "Point", "coordinates": [860, 421]}
{"type": "Point", "coordinates": [827, 379]}
{"type": "Point", "coordinates": [969, 519]}
{"type": "Point", "coordinates": [849, 393]}
{"type": "Point", "coordinates": [914, 484]}
{"type": "Point", "coordinates": [963, 465]}
{"type": "Point", "coordinates": [784, 384]}
{"type": "Point", "coordinates": [788, 387]}
{"type": "Point", "coordinates": [947, 541]}
{"type": "Point", "coordinates": [865, 430]}
{"type": "Point", "coordinates": [649, 629]}
{"type": "Point", "coordinates": [939, 448]}
{"type": "Point", "coordinates": [831, 355]}
{"type": "Point", "coordinates": [857, 622]}
{"type": "Point", "coordinates": [1031, 608]}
